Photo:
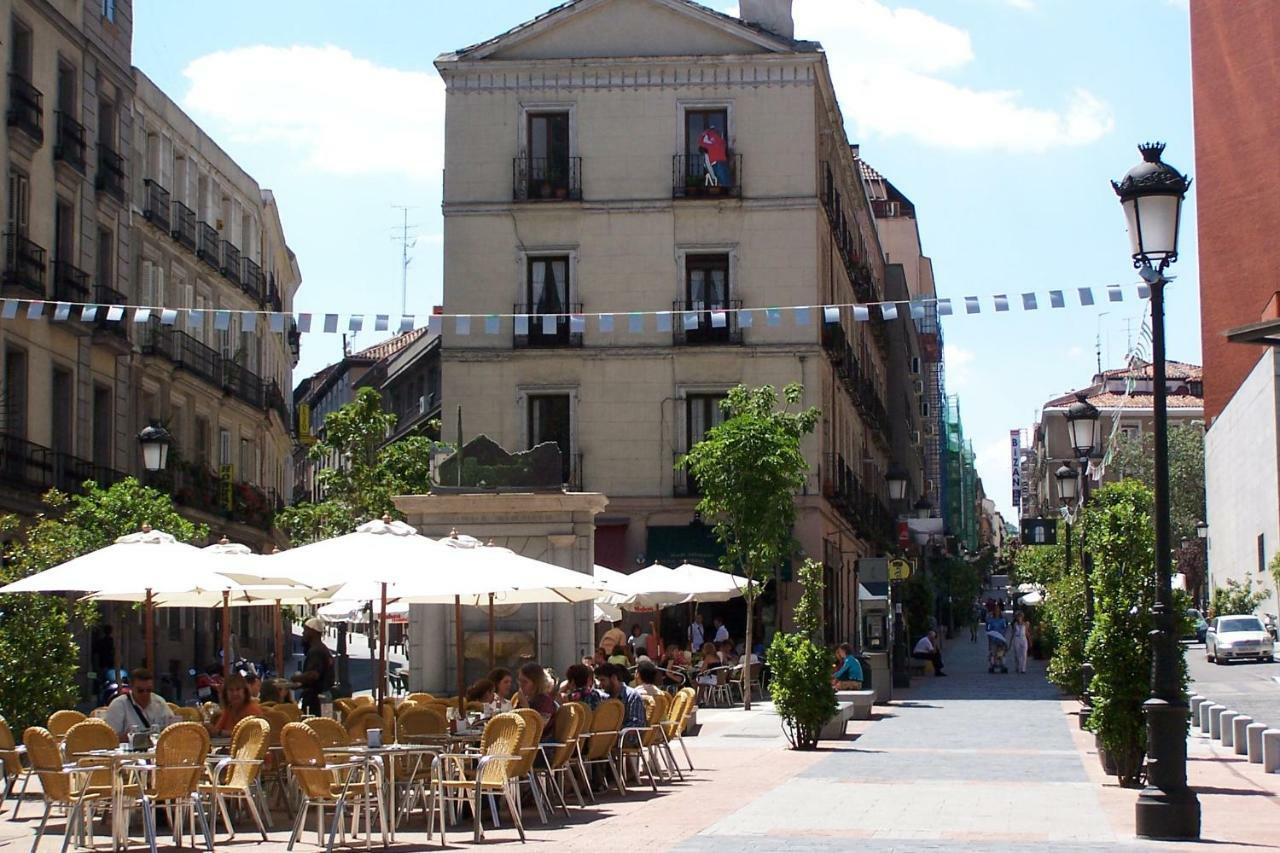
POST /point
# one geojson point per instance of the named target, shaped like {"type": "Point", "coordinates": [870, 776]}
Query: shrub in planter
{"type": "Point", "coordinates": [801, 668]}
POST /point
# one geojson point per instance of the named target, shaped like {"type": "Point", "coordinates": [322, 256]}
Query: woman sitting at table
{"type": "Point", "coordinates": [502, 685]}
{"type": "Point", "coordinates": [677, 658]}
{"type": "Point", "coordinates": [580, 686]}
{"type": "Point", "coordinates": [710, 660]}
{"type": "Point", "coordinates": [621, 655]}
{"type": "Point", "coordinates": [236, 705]}
{"type": "Point", "coordinates": [535, 693]}
{"type": "Point", "coordinates": [482, 691]}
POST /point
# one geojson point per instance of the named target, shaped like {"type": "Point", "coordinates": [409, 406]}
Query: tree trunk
{"type": "Point", "coordinates": [746, 657]}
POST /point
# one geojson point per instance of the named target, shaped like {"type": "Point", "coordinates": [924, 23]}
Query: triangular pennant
{"type": "Point", "coordinates": [605, 323]}
{"type": "Point", "coordinates": [971, 305]}
{"type": "Point", "coordinates": [381, 322]}
{"type": "Point", "coordinates": [1001, 301]}
{"type": "Point", "coordinates": [1029, 302]}
{"type": "Point", "coordinates": [491, 324]}
{"type": "Point", "coordinates": [888, 311]}
{"type": "Point", "coordinates": [830, 315]}
{"type": "Point", "coordinates": [1055, 299]}
{"type": "Point", "coordinates": [330, 324]}
{"type": "Point", "coordinates": [1086, 296]}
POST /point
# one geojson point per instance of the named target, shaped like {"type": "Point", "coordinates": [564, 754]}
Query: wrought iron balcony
{"type": "Point", "coordinates": [24, 265]}
{"type": "Point", "coordinates": [252, 281]}
{"type": "Point", "coordinates": [275, 401]}
{"type": "Point", "coordinates": [546, 330]}
{"type": "Point", "coordinates": [274, 300]}
{"type": "Point", "coordinates": [157, 206]}
{"type": "Point", "coordinates": [33, 467]}
{"type": "Point", "coordinates": [184, 225]}
{"type": "Point", "coordinates": [70, 284]}
{"type": "Point", "coordinates": [208, 246]}
{"type": "Point", "coordinates": [695, 323]}
{"type": "Point", "coordinates": [295, 341]}
{"type": "Point", "coordinates": [547, 178]}
{"type": "Point", "coordinates": [690, 178]}
{"type": "Point", "coordinates": [243, 384]}
{"type": "Point", "coordinates": [68, 141]}
{"type": "Point", "coordinates": [110, 178]}
{"type": "Point", "coordinates": [26, 108]}
{"type": "Point", "coordinates": [231, 262]}
{"type": "Point", "coordinates": [204, 362]}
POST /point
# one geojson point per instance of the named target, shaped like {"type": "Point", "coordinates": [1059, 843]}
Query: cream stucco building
{"type": "Point", "coordinates": [114, 197]}
{"type": "Point", "coordinates": [574, 182]}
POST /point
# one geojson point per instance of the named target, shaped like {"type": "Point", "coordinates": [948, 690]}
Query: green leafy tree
{"type": "Point", "coordinates": [1122, 541]}
{"type": "Point", "coordinates": [1237, 598]}
{"type": "Point", "coordinates": [361, 474]}
{"type": "Point", "coordinates": [1061, 622]}
{"type": "Point", "coordinates": [38, 632]}
{"type": "Point", "coordinates": [801, 686]}
{"type": "Point", "coordinates": [748, 470]}
{"type": "Point", "coordinates": [1135, 457]}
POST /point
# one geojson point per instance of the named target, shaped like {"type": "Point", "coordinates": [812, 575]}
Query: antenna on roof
{"type": "Point", "coordinates": [1097, 346]}
{"type": "Point", "coordinates": [405, 245]}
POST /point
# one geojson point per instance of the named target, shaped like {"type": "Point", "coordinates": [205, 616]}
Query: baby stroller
{"type": "Point", "coordinates": [997, 646]}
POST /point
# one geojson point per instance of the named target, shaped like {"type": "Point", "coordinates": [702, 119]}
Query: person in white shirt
{"type": "Point", "coordinates": [722, 633]}
{"type": "Point", "coordinates": [697, 634]}
{"type": "Point", "coordinates": [639, 641]}
{"type": "Point", "coordinates": [140, 707]}
{"type": "Point", "coordinates": [927, 649]}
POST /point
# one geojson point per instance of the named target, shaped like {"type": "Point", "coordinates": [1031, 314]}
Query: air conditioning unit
{"type": "Point", "coordinates": [915, 438]}
{"type": "Point", "coordinates": [924, 408]}
{"type": "Point", "coordinates": [919, 387]}
{"type": "Point", "coordinates": [915, 365]}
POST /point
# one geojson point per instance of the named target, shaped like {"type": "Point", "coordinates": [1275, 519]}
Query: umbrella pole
{"type": "Point", "coordinates": [148, 633]}
{"type": "Point", "coordinates": [279, 633]}
{"type": "Point", "coordinates": [226, 635]}
{"type": "Point", "coordinates": [457, 629]}
{"type": "Point", "coordinates": [491, 655]}
{"type": "Point", "coordinates": [382, 648]}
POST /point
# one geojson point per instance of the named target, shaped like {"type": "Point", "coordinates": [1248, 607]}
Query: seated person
{"type": "Point", "coordinates": [482, 691]}
{"type": "Point", "coordinates": [710, 661]}
{"type": "Point", "coordinates": [927, 649]}
{"type": "Point", "coordinates": [848, 675]}
{"type": "Point", "coordinates": [254, 681]}
{"type": "Point", "coordinates": [502, 684]}
{"type": "Point", "coordinates": [236, 704]}
{"type": "Point", "coordinates": [141, 707]}
{"type": "Point", "coordinates": [646, 682]}
{"type": "Point", "coordinates": [275, 690]}
{"type": "Point", "coordinates": [601, 657]}
{"type": "Point", "coordinates": [728, 656]}
{"type": "Point", "coordinates": [620, 656]}
{"type": "Point", "coordinates": [676, 656]}
{"type": "Point", "coordinates": [580, 686]}
{"type": "Point", "coordinates": [535, 693]}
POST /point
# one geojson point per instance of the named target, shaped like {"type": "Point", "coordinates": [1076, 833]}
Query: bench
{"type": "Point", "coordinates": [850, 705]}
{"type": "Point", "coordinates": [919, 667]}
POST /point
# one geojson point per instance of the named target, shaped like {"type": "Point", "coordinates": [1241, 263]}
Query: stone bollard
{"type": "Point", "coordinates": [1194, 705]}
{"type": "Point", "coordinates": [1239, 738]}
{"type": "Point", "coordinates": [1253, 735]}
{"type": "Point", "coordinates": [1226, 727]}
{"type": "Point", "coordinates": [1215, 721]}
{"type": "Point", "coordinates": [1271, 750]}
{"type": "Point", "coordinates": [1205, 716]}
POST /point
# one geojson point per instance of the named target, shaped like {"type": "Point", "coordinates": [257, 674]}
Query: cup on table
{"type": "Point", "coordinates": [374, 737]}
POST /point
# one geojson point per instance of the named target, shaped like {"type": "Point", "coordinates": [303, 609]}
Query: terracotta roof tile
{"type": "Point", "coordinates": [390, 346]}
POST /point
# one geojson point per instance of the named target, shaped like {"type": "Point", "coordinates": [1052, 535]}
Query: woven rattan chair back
{"type": "Point", "coordinates": [46, 761]}
{"type": "Point", "coordinates": [570, 721]}
{"type": "Point", "coordinates": [180, 754]}
{"type": "Point", "coordinates": [88, 735]}
{"type": "Point", "coordinates": [675, 710]}
{"type": "Point", "coordinates": [690, 703]}
{"type": "Point", "coordinates": [419, 697]}
{"type": "Point", "coordinates": [406, 706]}
{"type": "Point", "coordinates": [330, 732]}
{"type": "Point", "coordinates": [605, 724]}
{"type": "Point", "coordinates": [343, 706]}
{"type": "Point", "coordinates": [422, 721]}
{"type": "Point", "coordinates": [502, 736]}
{"type": "Point", "coordinates": [249, 742]}
{"type": "Point", "coordinates": [362, 719]}
{"type": "Point", "coordinates": [361, 701]}
{"type": "Point", "coordinates": [188, 715]}
{"type": "Point", "coordinates": [291, 712]}
{"type": "Point", "coordinates": [9, 750]}
{"type": "Point", "coordinates": [277, 721]}
{"type": "Point", "coordinates": [303, 751]}
{"type": "Point", "coordinates": [60, 722]}
{"type": "Point", "coordinates": [528, 747]}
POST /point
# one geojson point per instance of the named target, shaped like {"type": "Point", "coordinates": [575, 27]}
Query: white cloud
{"type": "Point", "coordinates": [890, 67]}
{"type": "Point", "coordinates": [342, 114]}
{"type": "Point", "coordinates": [995, 468]}
{"type": "Point", "coordinates": [959, 366]}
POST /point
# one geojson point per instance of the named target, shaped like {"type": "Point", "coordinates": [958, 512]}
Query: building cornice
{"type": "Point", "coordinates": [662, 204]}
{"type": "Point", "coordinates": [786, 349]}
{"type": "Point", "coordinates": [636, 72]}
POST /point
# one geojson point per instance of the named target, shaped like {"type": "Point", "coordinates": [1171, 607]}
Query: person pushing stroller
{"type": "Point", "coordinates": [997, 642]}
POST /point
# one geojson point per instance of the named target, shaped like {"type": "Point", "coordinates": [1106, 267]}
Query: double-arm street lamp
{"type": "Point", "coordinates": [1151, 194]}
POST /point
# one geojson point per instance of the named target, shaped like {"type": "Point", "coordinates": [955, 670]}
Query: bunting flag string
{"type": "Point", "coordinates": [637, 322]}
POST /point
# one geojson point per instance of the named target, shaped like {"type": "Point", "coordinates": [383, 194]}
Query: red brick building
{"type": "Point", "coordinates": [1235, 61]}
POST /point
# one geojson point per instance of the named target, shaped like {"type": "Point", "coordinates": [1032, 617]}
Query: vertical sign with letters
{"type": "Point", "coordinates": [1015, 460]}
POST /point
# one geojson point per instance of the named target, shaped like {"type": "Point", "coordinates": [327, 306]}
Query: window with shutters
{"type": "Point", "coordinates": [19, 210]}
{"type": "Point", "coordinates": [202, 438]}
{"type": "Point", "coordinates": [104, 266]}
{"type": "Point", "coordinates": [224, 446]}
{"type": "Point", "coordinates": [246, 460]}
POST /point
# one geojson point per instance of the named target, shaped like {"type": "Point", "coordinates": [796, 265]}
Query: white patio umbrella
{"type": "Point", "coordinates": [605, 612]}
{"type": "Point", "coordinates": [655, 587]}
{"type": "Point", "coordinates": [710, 584]}
{"type": "Point", "coordinates": [617, 584]}
{"type": "Point", "coordinates": [147, 563]}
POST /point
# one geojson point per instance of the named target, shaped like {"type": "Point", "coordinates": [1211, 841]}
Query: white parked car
{"type": "Point", "coordinates": [1238, 637]}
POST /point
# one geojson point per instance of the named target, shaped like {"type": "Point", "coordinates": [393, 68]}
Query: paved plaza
{"type": "Point", "coordinates": [969, 762]}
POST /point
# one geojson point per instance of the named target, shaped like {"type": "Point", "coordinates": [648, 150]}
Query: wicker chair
{"type": "Point", "coordinates": [236, 777]}
{"type": "Point", "coordinates": [419, 697]}
{"type": "Point", "coordinates": [174, 779]}
{"type": "Point", "coordinates": [597, 746]}
{"type": "Point", "coordinates": [83, 737]}
{"type": "Point", "coordinates": [11, 760]}
{"type": "Point", "coordinates": [62, 784]}
{"type": "Point", "coordinates": [325, 785]}
{"type": "Point", "coordinates": [344, 707]}
{"type": "Point", "coordinates": [558, 756]}
{"type": "Point", "coordinates": [661, 749]}
{"type": "Point", "coordinates": [330, 732]}
{"type": "Point", "coordinates": [528, 751]}
{"type": "Point", "coordinates": [637, 741]}
{"type": "Point", "coordinates": [290, 711]}
{"type": "Point", "coordinates": [362, 700]}
{"type": "Point", "coordinates": [274, 766]}
{"type": "Point", "coordinates": [361, 720]}
{"type": "Point", "coordinates": [60, 722]}
{"type": "Point", "coordinates": [413, 776]}
{"type": "Point", "coordinates": [677, 720]}
{"type": "Point", "coordinates": [188, 715]}
{"type": "Point", "coordinates": [493, 773]}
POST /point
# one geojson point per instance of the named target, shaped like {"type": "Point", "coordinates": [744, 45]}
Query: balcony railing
{"type": "Point", "coordinates": [184, 225]}
{"type": "Point", "coordinates": [690, 178]}
{"type": "Point", "coordinates": [709, 324]}
{"type": "Point", "coordinates": [110, 178]}
{"type": "Point", "coordinates": [240, 382]}
{"type": "Point", "coordinates": [26, 108]}
{"type": "Point", "coordinates": [547, 178]}
{"type": "Point", "coordinates": [68, 141]}
{"type": "Point", "coordinates": [274, 299]}
{"type": "Point", "coordinates": [863, 508]}
{"type": "Point", "coordinates": [24, 264]}
{"type": "Point", "coordinates": [546, 330]}
{"type": "Point", "coordinates": [196, 358]}
{"type": "Point", "coordinates": [30, 466]}
{"type": "Point", "coordinates": [857, 384]}
{"type": "Point", "coordinates": [252, 281]}
{"type": "Point", "coordinates": [157, 207]}
{"type": "Point", "coordinates": [230, 262]}
{"type": "Point", "coordinates": [295, 341]}
{"type": "Point", "coordinates": [276, 402]}
{"type": "Point", "coordinates": [208, 245]}
{"type": "Point", "coordinates": [196, 486]}
{"type": "Point", "coordinates": [70, 284]}
{"type": "Point", "coordinates": [104, 296]}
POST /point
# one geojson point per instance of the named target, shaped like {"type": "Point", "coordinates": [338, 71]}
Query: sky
{"type": "Point", "coordinates": [1001, 120]}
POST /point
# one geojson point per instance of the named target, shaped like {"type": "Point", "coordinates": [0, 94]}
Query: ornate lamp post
{"type": "Point", "coordinates": [896, 480]}
{"type": "Point", "coordinates": [155, 441]}
{"type": "Point", "coordinates": [1151, 194]}
{"type": "Point", "coordinates": [1202, 531]}
{"type": "Point", "coordinates": [1082, 428]}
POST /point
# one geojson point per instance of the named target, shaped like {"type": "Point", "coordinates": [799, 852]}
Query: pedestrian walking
{"type": "Point", "coordinates": [1021, 641]}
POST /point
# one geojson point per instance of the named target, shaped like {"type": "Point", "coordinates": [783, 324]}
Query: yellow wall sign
{"type": "Point", "coordinates": [899, 570]}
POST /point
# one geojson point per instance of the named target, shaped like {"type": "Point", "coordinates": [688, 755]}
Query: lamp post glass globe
{"type": "Point", "coordinates": [896, 479]}
{"type": "Point", "coordinates": [923, 508]}
{"type": "Point", "coordinates": [1068, 484]}
{"type": "Point", "coordinates": [1202, 530]}
{"type": "Point", "coordinates": [1082, 426]}
{"type": "Point", "coordinates": [1151, 194]}
{"type": "Point", "coordinates": [155, 441]}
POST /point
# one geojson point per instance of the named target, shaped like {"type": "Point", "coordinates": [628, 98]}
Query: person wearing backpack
{"type": "Point", "coordinates": [317, 673]}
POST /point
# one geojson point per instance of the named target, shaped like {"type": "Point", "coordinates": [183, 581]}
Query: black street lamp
{"type": "Point", "coordinates": [1082, 428]}
{"type": "Point", "coordinates": [1151, 194]}
{"type": "Point", "coordinates": [896, 479]}
{"type": "Point", "coordinates": [155, 441]}
{"type": "Point", "coordinates": [923, 508]}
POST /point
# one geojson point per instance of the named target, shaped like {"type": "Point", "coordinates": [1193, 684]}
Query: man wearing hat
{"type": "Point", "coordinates": [317, 667]}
